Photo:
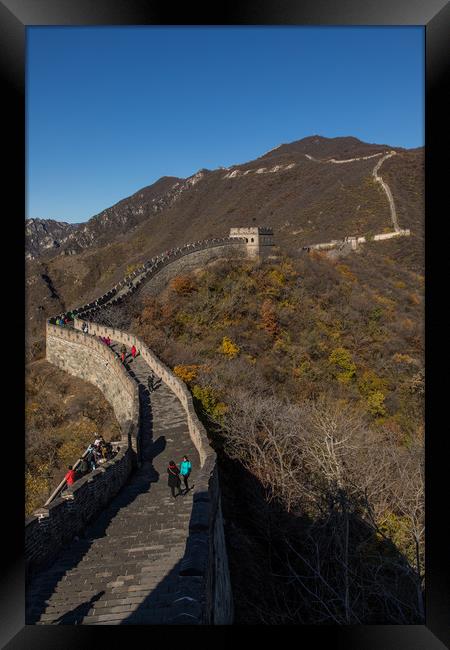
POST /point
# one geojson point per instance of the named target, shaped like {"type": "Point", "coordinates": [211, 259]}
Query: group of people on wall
{"type": "Point", "coordinates": [96, 454]}
{"type": "Point", "coordinates": [64, 319]}
{"type": "Point", "coordinates": [175, 474]}
{"type": "Point", "coordinates": [100, 451]}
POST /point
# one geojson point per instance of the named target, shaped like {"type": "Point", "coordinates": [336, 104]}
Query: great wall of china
{"type": "Point", "coordinates": [114, 548]}
{"type": "Point", "coordinates": [174, 574]}
{"type": "Point", "coordinates": [352, 242]}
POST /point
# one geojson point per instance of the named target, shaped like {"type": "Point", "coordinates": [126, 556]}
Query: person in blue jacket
{"type": "Point", "coordinates": [185, 470]}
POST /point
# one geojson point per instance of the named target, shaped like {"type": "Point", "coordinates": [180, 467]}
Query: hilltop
{"type": "Point", "coordinates": [305, 199]}
{"type": "Point", "coordinates": [286, 182]}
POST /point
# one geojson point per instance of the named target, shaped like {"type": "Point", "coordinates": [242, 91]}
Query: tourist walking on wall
{"type": "Point", "coordinates": [123, 352]}
{"type": "Point", "coordinates": [185, 470]}
{"type": "Point", "coordinates": [70, 476]}
{"type": "Point", "coordinates": [90, 457]}
{"type": "Point", "coordinates": [173, 479]}
{"type": "Point", "coordinates": [133, 351]}
{"type": "Point", "coordinates": [150, 382]}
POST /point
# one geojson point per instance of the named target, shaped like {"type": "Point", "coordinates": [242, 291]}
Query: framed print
{"type": "Point", "coordinates": [232, 356]}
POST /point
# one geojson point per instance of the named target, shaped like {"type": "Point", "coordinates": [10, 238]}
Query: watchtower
{"type": "Point", "coordinates": [259, 240]}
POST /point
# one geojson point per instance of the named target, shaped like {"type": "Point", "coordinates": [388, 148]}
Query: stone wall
{"type": "Point", "coordinates": [85, 357]}
{"type": "Point", "coordinates": [355, 241]}
{"type": "Point", "coordinates": [189, 262]}
{"type": "Point", "coordinates": [196, 429]}
{"type": "Point", "coordinates": [204, 576]}
{"type": "Point", "coordinates": [50, 528]}
{"type": "Point", "coordinates": [209, 249]}
{"type": "Point", "coordinates": [205, 556]}
{"type": "Point", "coordinates": [219, 609]}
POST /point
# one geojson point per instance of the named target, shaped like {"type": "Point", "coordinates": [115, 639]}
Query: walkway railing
{"type": "Point", "coordinates": [63, 484]}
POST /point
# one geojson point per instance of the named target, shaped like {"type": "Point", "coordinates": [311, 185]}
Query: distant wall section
{"type": "Point", "coordinates": [188, 263]}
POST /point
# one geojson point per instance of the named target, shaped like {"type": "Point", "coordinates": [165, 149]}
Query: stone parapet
{"type": "Point", "coordinates": [85, 357]}
{"type": "Point", "coordinates": [154, 266]}
{"type": "Point", "coordinates": [196, 429]}
{"type": "Point", "coordinates": [205, 556]}
{"type": "Point", "coordinates": [354, 241]}
{"type": "Point", "coordinates": [50, 528]}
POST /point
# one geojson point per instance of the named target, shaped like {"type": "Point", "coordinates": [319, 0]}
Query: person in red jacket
{"type": "Point", "coordinates": [133, 351]}
{"type": "Point", "coordinates": [70, 476]}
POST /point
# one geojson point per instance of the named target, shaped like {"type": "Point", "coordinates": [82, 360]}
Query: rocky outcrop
{"type": "Point", "coordinates": [43, 235]}
{"type": "Point", "coordinates": [47, 237]}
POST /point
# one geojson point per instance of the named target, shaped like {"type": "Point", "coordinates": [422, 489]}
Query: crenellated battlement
{"type": "Point", "coordinates": [258, 240]}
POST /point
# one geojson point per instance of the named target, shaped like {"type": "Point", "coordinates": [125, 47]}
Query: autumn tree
{"type": "Point", "coordinates": [182, 285]}
{"type": "Point", "coordinates": [269, 318]}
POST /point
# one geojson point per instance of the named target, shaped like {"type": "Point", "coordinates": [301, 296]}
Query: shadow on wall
{"type": "Point", "coordinates": [75, 616]}
{"type": "Point", "coordinates": [165, 604]}
{"type": "Point", "coordinates": [289, 568]}
{"type": "Point", "coordinates": [183, 589]}
{"type": "Point", "coordinates": [178, 599]}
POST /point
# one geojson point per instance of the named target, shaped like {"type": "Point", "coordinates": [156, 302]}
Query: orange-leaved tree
{"type": "Point", "coordinates": [182, 285]}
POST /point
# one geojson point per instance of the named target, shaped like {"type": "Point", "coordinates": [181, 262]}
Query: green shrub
{"type": "Point", "coordinates": [345, 366]}
{"type": "Point", "coordinates": [375, 314]}
{"type": "Point", "coordinates": [209, 401]}
{"type": "Point", "coordinates": [370, 382]}
{"type": "Point", "coordinates": [375, 403]}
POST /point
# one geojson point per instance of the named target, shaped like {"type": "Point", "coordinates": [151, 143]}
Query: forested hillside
{"type": "Point", "coordinates": [309, 375]}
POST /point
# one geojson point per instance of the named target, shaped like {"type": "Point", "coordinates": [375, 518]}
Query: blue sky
{"type": "Point", "coordinates": [112, 109]}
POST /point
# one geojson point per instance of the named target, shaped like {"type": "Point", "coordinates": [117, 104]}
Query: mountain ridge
{"type": "Point", "coordinates": [49, 236]}
{"type": "Point", "coordinates": [305, 201]}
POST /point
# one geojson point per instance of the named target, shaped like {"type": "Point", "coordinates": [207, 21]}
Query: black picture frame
{"type": "Point", "coordinates": [434, 16]}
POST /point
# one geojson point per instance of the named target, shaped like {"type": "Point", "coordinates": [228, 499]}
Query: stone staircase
{"type": "Point", "coordinates": [125, 568]}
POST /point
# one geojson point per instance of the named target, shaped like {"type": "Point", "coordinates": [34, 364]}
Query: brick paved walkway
{"type": "Point", "coordinates": [124, 570]}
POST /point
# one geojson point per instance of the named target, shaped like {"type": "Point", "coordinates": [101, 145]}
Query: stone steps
{"type": "Point", "coordinates": [125, 569]}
